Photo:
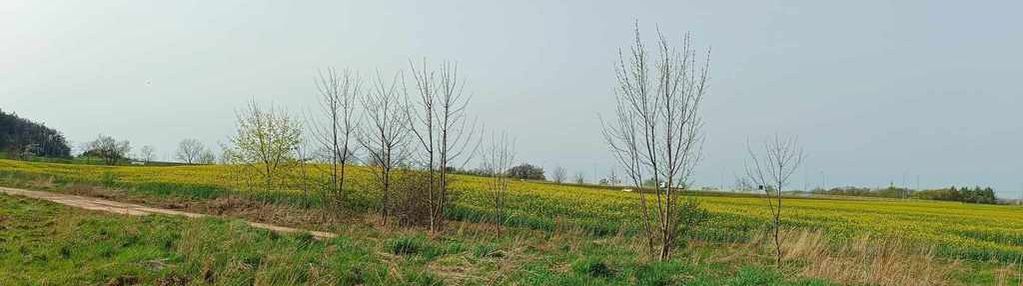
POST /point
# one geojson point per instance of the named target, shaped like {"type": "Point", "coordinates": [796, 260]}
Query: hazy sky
{"type": "Point", "coordinates": [877, 91]}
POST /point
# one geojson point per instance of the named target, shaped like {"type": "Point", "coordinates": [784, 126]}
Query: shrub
{"type": "Point", "coordinates": [486, 250]}
{"type": "Point", "coordinates": [407, 245]}
{"type": "Point", "coordinates": [593, 267]}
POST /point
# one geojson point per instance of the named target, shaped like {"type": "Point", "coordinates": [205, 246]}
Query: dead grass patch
{"type": "Point", "coordinates": [865, 260]}
{"type": "Point", "coordinates": [43, 183]}
{"type": "Point", "coordinates": [90, 191]}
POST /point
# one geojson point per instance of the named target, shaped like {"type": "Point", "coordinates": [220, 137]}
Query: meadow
{"type": "Point", "coordinates": [981, 239]}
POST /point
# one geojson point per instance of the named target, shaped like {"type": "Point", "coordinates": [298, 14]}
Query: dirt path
{"type": "Point", "coordinates": [133, 209]}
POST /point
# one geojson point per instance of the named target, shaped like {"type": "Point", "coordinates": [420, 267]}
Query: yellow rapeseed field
{"type": "Point", "coordinates": [953, 229]}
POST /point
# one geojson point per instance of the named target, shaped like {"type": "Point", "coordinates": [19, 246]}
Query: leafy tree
{"type": "Point", "coordinates": [526, 171]}
{"type": "Point", "coordinates": [108, 149]}
{"type": "Point", "coordinates": [266, 139]}
{"type": "Point", "coordinates": [976, 195]}
{"type": "Point", "coordinates": [21, 137]}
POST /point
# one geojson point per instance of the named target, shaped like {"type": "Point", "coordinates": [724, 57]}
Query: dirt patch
{"type": "Point", "coordinates": [311, 218]}
{"type": "Point", "coordinates": [172, 280]}
{"type": "Point", "coordinates": [173, 205]}
{"type": "Point", "coordinates": [43, 183]}
{"type": "Point", "coordinates": [90, 191]}
{"type": "Point", "coordinates": [230, 205]}
{"type": "Point", "coordinates": [96, 204]}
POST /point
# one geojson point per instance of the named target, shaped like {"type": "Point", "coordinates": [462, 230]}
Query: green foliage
{"type": "Point", "coordinates": [660, 273]}
{"type": "Point", "coordinates": [109, 179]}
{"type": "Point", "coordinates": [546, 212]}
{"type": "Point", "coordinates": [412, 245]}
{"type": "Point", "coordinates": [526, 171]}
{"type": "Point", "coordinates": [889, 192]}
{"type": "Point", "coordinates": [755, 276]}
{"type": "Point", "coordinates": [47, 244]}
{"type": "Point", "coordinates": [593, 267]}
{"type": "Point", "coordinates": [975, 195]}
{"type": "Point", "coordinates": [108, 149]}
{"type": "Point", "coordinates": [22, 138]}
{"type": "Point", "coordinates": [486, 250]}
{"type": "Point", "coordinates": [691, 216]}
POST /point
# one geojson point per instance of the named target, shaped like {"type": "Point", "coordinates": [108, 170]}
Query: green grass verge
{"type": "Point", "coordinates": [46, 243]}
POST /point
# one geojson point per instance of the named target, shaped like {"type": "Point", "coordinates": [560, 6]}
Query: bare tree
{"type": "Point", "coordinates": [613, 180]}
{"type": "Point", "coordinates": [498, 158]}
{"type": "Point", "coordinates": [384, 136]}
{"type": "Point", "coordinates": [301, 160]}
{"type": "Point", "coordinates": [338, 92]}
{"type": "Point", "coordinates": [559, 174]}
{"type": "Point", "coordinates": [437, 118]}
{"type": "Point", "coordinates": [657, 133]}
{"type": "Point", "coordinates": [207, 157]}
{"type": "Point", "coordinates": [579, 178]}
{"type": "Point", "coordinates": [189, 150]}
{"type": "Point", "coordinates": [147, 153]}
{"type": "Point", "coordinates": [770, 172]}
{"type": "Point", "coordinates": [265, 141]}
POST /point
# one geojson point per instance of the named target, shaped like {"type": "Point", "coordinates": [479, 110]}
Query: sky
{"type": "Point", "coordinates": [915, 93]}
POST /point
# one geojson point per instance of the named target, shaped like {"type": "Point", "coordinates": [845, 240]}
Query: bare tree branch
{"type": "Point", "coordinates": [657, 131]}
{"type": "Point", "coordinates": [336, 125]}
{"type": "Point", "coordinates": [385, 135]}
{"type": "Point", "coordinates": [770, 172]}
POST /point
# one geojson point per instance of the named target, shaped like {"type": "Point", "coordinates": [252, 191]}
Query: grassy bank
{"type": "Point", "coordinates": [954, 230]}
{"type": "Point", "coordinates": [45, 243]}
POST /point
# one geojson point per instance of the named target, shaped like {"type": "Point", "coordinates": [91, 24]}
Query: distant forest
{"type": "Point", "coordinates": [975, 195]}
{"type": "Point", "coordinates": [20, 137]}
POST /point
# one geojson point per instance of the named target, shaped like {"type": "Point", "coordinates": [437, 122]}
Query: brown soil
{"type": "Point", "coordinates": [104, 205]}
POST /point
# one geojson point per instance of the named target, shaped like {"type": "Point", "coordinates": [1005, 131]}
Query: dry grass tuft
{"type": "Point", "coordinates": [865, 260]}
{"type": "Point", "coordinates": [89, 191]}
{"type": "Point", "coordinates": [45, 183]}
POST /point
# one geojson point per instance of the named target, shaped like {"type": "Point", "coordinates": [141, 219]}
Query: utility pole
{"type": "Point", "coordinates": [806, 184]}
{"type": "Point", "coordinates": [905, 184]}
{"type": "Point", "coordinates": [720, 186]}
{"type": "Point", "coordinates": [824, 183]}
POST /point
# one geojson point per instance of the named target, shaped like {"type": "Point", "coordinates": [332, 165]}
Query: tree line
{"type": "Point", "coordinates": [976, 195]}
{"type": "Point", "coordinates": [22, 138]}
{"type": "Point", "coordinates": [979, 195]}
{"type": "Point", "coordinates": [411, 129]}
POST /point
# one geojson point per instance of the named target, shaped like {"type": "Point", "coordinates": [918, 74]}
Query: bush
{"type": "Point", "coordinates": [691, 216]}
{"type": "Point", "coordinates": [755, 276]}
{"type": "Point", "coordinates": [593, 267]}
{"type": "Point", "coordinates": [486, 250]}
{"type": "Point", "coordinates": [408, 245]}
{"type": "Point", "coordinates": [976, 195]}
{"type": "Point", "coordinates": [660, 273]}
{"type": "Point", "coordinates": [526, 172]}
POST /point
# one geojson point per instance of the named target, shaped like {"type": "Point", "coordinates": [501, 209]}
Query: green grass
{"type": "Point", "coordinates": [45, 243]}
{"type": "Point", "coordinates": [48, 244]}
{"type": "Point", "coordinates": [559, 234]}
{"type": "Point", "coordinates": [958, 230]}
